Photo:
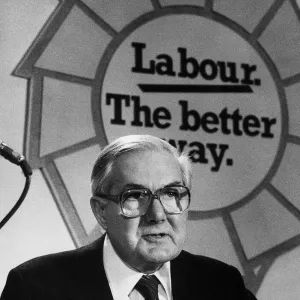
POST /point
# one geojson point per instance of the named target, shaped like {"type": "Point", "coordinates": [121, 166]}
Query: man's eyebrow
{"type": "Point", "coordinates": [140, 186]}
{"type": "Point", "coordinates": [174, 183]}
{"type": "Point", "coordinates": [133, 186]}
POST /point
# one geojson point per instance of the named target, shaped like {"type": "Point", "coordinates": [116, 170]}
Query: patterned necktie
{"type": "Point", "coordinates": [148, 287]}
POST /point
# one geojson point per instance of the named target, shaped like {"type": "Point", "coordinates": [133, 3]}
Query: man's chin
{"type": "Point", "coordinates": [159, 255]}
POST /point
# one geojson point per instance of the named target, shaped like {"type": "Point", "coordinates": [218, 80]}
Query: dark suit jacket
{"type": "Point", "coordinates": [79, 274]}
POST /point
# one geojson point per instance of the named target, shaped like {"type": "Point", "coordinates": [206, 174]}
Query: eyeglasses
{"type": "Point", "coordinates": [135, 202]}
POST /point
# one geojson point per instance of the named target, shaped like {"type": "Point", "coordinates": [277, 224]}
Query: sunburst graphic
{"type": "Point", "coordinates": [80, 61]}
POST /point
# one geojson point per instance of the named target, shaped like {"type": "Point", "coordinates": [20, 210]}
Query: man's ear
{"type": "Point", "coordinates": [99, 205]}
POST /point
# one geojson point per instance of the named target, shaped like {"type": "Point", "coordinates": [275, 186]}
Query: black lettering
{"type": "Point", "coordinates": [165, 67]}
{"type": "Point", "coordinates": [224, 116]}
{"type": "Point", "coordinates": [207, 119]}
{"type": "Point", "coordinates": [231, 67]}
{"type": "Point", "coordinates": [248, 70]}
{"type": "Point", "coordinates": [185, 117]}
{"type": "Point", "coordinates": [236, 118]}
{"type": "Point", "coordinates": [118, 100]}
{"type": "Point", "coordinates": [161, 113]}
{"type": "Point", "coordinates": [217, 158]}
{"type": "Point", "coordinates": [137, 109]}
{"type": "Point", "coordinates": [198, 155]}
{"type": "Point", "coordinates": [267, 127]}
{"type": "Point", "coordinates": [138, 55]}
{"type": "Point", "coordinates": [185, 61]}
{"type": "Point", "coordinates": [249, 122]}
{"type": "Point", "coordinates": [208, 69]}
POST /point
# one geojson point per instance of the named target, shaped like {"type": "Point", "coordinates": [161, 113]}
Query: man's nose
{"type": "Point", "coordinates": [155, 212]}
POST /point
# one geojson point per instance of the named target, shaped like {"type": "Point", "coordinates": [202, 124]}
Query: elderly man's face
{"type": "Point", "coordinates": [145, 242]}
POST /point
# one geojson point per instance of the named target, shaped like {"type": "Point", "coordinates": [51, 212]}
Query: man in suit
{"type": "Point", "coordinates": [140, 187]}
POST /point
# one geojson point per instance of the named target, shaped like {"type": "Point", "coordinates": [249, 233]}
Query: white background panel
{"type": "Point", "coordinates": [36, 229]}
{"type": "Point", "coordinates": [81, 53]}
{"type": "Point", "coordinates": [281, 40]}
{"type": "Point", "coordinates": [199, 240]}
{"type": "Point", "coordinates": [246, 13]}
{"type": "Point", "coordinates": [282, 279]}
{"type": "Point", "coordinates": [119, 13]}
{"type": "Point", "coordinates": [264, 223]}
{"type": "Point", "coordinates": [76, 172]}
{"type": "Point", "coordinates": [28, 233]}
{"type": "Point", "coordinates": [292, 95]}
{"type": "Point", "coordinates": [287, 178]}
{"type": "Point", "coordinates": [66, 115]}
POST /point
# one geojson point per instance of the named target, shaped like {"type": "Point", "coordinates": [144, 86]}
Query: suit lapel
{"type": "Point", "coordinates": [179, 278]}
{"type": "Point", "coordinates": [94, 282]}
{"type": "Point", "coordinates": [189, 279]}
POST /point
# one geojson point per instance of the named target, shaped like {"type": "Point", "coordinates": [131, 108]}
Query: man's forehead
{"type": "Point", "coordinates": [151, 169]}
{"type": "Point", "coordinates": [141, 152]}
{"type": "Point", "coordinates": [138, 158]}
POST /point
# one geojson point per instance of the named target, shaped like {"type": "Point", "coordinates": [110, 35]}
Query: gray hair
{"type": "Point", "coordinates": [103, 166]}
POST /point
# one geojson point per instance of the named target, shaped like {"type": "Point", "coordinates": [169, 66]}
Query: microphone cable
{"type": "Point", "coordinates": [19, 160]}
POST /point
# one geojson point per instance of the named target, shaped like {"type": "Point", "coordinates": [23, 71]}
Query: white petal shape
{"type": "Point", "coordinates": [287, 179]}
{"type": "Point", "coordinates": [245, 13]}
{"type": "Point", "coordinates": [77, 46]}
{"type": "Point", "coordinates": [281, 40]}
{"type": "Point", "coordinates": [282, 280]}
{"type": "Point", "coordinates": [66, 115]}
{"type": "Point", "coordinates": [264, 223]}
{"type": "Point", "coordinates": [209, 237]}
{"type": "Point", "coordinates": [292, 94]}
{"type": "Point", "coordinates": [119, 13]}
{"type": "Point", "coordinates": [75, 170]}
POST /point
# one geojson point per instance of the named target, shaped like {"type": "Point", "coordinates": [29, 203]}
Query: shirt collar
{"type": "Point", "coordinates": [122, 279]}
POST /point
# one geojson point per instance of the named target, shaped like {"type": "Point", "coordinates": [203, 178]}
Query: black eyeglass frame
{"type": "Point", "coordinates": [118, 199]}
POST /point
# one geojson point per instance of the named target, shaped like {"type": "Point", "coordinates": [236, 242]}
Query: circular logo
{"type": "Point", "coordinates": [203, 87]}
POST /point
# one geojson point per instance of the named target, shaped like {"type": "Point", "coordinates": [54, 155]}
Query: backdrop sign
{"type": "Point", "coordinates": [203, 87]}
{"type": "Point", "coordinates": [208, 78]}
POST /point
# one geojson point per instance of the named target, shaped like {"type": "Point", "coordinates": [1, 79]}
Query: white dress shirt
{"type": "Point", "coordinates": [122, 278]}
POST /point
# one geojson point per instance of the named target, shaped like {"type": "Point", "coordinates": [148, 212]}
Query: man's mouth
{"type": "Point", "coordinates": [155, 236]}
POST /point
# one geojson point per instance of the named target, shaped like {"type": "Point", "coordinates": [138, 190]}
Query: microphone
{"type": "Point", "coordinates": [15, 158]}
{"type": "Point", "coordinates": [19, 160]}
